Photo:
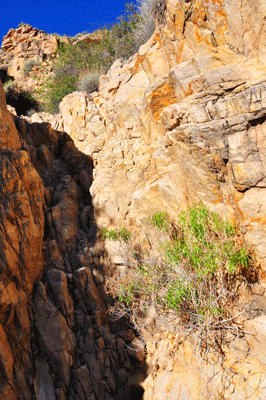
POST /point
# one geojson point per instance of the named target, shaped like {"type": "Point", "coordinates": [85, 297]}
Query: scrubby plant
{"type": "Point", "coordinates": [70, 69]}
{"type": "Point", "coordinates": [31, 111]}
{"type": "Point", "coordinates": [8, 85]}
{"type": "Point", "coordinates": [158, 8]}
{"type": "Point", "coordinates": [64, 82]}
{"type": "Point", "coordinates": [121, 36]}
{"type": "Point", "coordinates": [22, 24]}
{"type": "Point", "coordinates": [27, 67]}
{"type": "Point", "coordinates": [89, 82]}
{"type": "Point", "coordinates": [150, 13]}
{"type": "Point", "coordinates": [146, 24]}
{"type": "Point", "coordinates": [195, 279]}
{"type": "Point", "coordinates": [161, 221]}
{"type": "Point", "coordinates": [116, 234]}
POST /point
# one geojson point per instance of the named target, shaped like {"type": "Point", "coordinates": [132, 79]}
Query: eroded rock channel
{"type": "Point", "coordinates": [57, 341]}
{"type": "Point", "coordinates": [182, 121]}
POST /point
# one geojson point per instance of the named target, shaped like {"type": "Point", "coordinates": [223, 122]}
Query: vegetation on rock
{"type": "Point", "coordinates": [89, 82]}
{"type": "Point", "coordinates": [29, 64]}
{"type": "Point", "coordinates": [116, 234]}
{"type": "Point", "coordinates": [195, 278]}
{"type": "Point", "coordinates": [22, 24]}
{"type": "Point", "coordinates": [79, 66]}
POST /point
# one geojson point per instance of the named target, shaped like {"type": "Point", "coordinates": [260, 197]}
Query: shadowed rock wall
{"type": "Point", "coordinates": [56, 339]}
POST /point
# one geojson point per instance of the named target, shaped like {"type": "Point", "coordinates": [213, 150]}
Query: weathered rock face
{"type": "Point", "coordinates": [56, 341]}
{"type": "Point", "coordinates": [25, 43]}
{"type": "Point", "coordinates": [183, 121]}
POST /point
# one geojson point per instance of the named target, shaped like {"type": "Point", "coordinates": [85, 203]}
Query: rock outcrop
{"type": "Point", "coordinates": [56, 341]}
{"type": "Point", "coordinates": [184, 120]}
{"type": "Point", "coordinates": [26, 43]}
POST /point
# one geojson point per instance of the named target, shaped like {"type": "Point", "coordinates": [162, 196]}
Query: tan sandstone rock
{"type": "Point", "coordinates": [182, 121]}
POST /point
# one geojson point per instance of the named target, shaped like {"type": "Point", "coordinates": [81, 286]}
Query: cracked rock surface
{"type": "Point", "coordinates": [56, 339]}
{"type": "Point", "coordinates": [182, 121]}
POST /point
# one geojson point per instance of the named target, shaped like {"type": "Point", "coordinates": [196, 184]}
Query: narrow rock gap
{"type": "Point", "coordinates": [77, 352]}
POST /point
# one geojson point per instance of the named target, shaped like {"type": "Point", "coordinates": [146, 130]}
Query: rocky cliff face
{"type": "Point", "coordinates": [20, 46]}
{"type": "Point", "coordinates": [25, 44]}
{"type": "Point", "coordinates": [182, 121]}
{"type": "Point", "coordinates": [56, 341]}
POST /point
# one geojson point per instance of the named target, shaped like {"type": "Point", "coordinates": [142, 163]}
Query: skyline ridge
{"type": "Point", "coordinates": [61, 17]}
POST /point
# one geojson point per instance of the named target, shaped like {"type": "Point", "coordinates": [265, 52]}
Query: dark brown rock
{"type": "Point", "coordinates": [56, 339]}
{"type": "Point", "coordinates": [58, 283]}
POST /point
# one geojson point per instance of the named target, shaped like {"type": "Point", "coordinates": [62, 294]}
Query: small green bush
{"type": "Point", "coordinates": [8, 85]}
{"type": "Point", "coordinates": [116, 234]}
{"type": "Point", "coordinates": [197, 275]}
{"type": "Point", "coordinates": [160, 221]}
{"type": "Point", "coordinates": [27, 67]}
{"type": "Point", "coordinates": [69, 72]}
{"type": "Point", "coordinates": [22, 24]}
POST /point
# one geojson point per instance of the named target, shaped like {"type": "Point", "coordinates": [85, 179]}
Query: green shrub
{"type": "Point", "coordinates": [27, 67]}
{"type": "Point", "coordinates": [121, 37]}
{"type": "Point", "coordinates": [8, 85]}
{"type": "Point", "coordinates": [196, 277]}
{"type": "Point", "coordinates": [64, 82]}
{"type": "Point", "coordinates": [116, 234]}
{"type": "Point", "coordinates": [160, 221]}
{"type": "Point", "coordinates": [69, 71]}
{"type": "Point", "coordinates": [22, 24]}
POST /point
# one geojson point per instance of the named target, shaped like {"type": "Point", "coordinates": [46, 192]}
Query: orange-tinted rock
{"type": "Point", "coordinates": [9, 139]}
{"type": "Point", "coordinates": [185, 113]}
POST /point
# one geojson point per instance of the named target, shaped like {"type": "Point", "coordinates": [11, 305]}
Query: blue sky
{"type": "Point", "coordinates": [60, 16]}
